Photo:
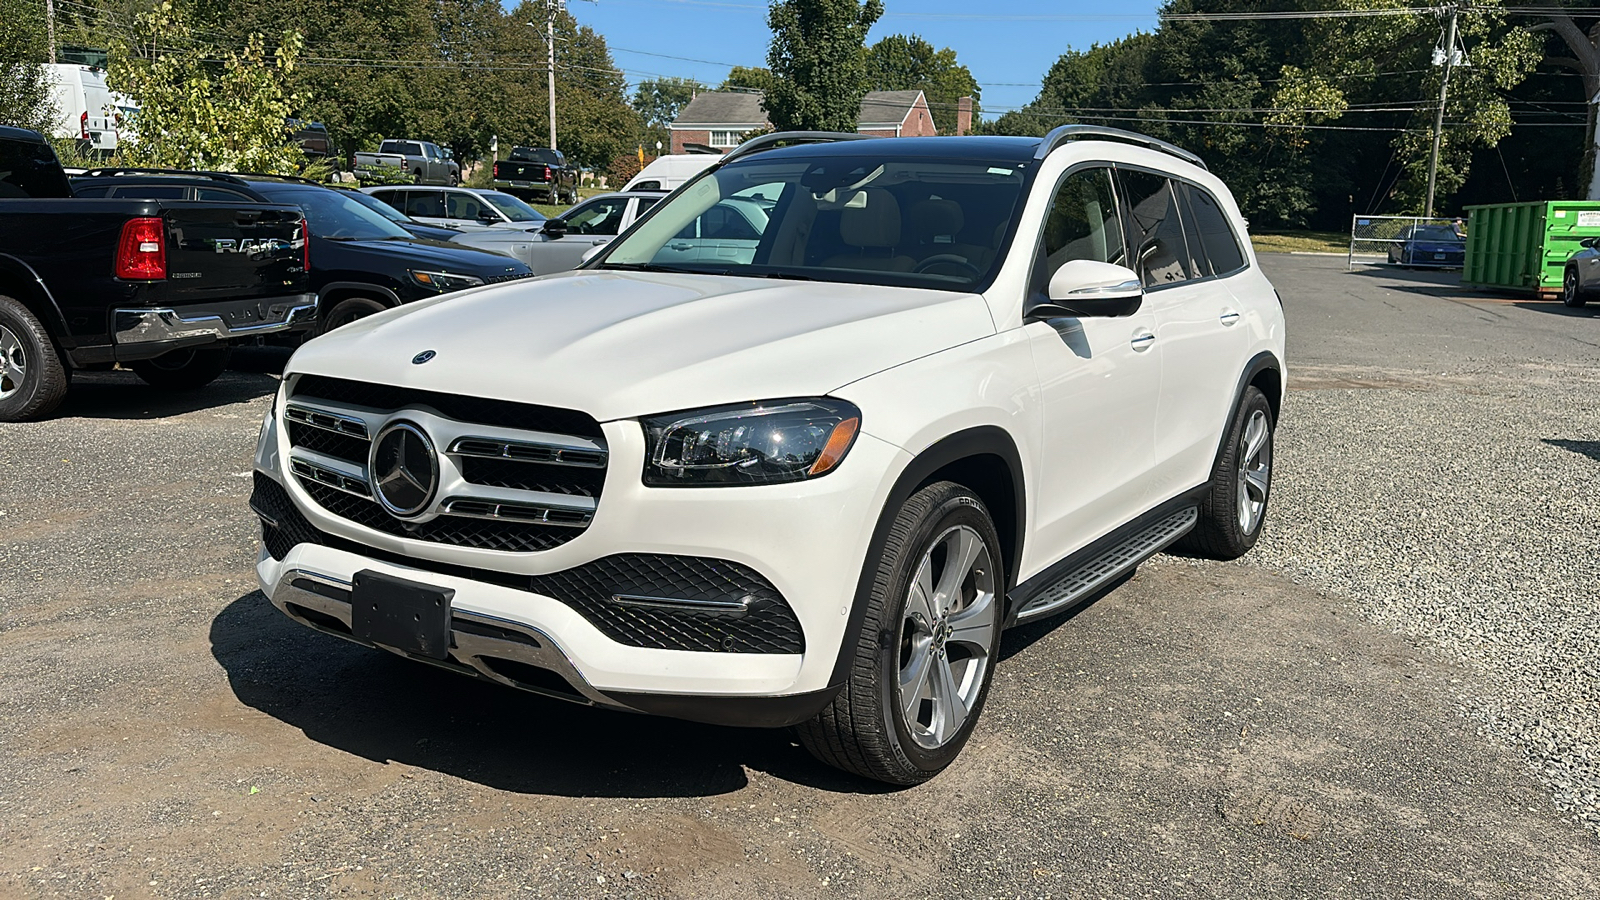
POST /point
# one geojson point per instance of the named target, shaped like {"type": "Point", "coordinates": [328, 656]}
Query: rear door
{"type": "Point", "coordinates": [1191, 253]}
{"type": "Point", "coordinates": [423, 205]}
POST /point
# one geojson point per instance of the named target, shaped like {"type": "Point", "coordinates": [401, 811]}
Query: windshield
{"type": "Point", "coordinates": [511, 207]}
{"type": "Point", "coordinates": [913, 221]}
{"type": "Point", "coordinates": [337, 215]}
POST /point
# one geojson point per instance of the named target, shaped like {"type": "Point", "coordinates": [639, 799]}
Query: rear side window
{"type": "Point", "coordinates": [422, 203]}
{"type": "Point", "coordinates": [1210, 235]}
{"type": "Point", "coordinates": [1155, 230]}
{"type": "Point", "coordinates": [153, 191]}
{"type": "Point", "coordinates": [28, 169]}
{"type": "Point", "coordinates": [223, 196]}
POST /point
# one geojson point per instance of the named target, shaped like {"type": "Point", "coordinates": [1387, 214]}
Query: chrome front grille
{"type": "Point", "coordinates": [511, 477]}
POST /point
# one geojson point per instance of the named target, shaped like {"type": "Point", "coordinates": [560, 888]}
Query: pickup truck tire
{"type": "Point", "coordinates": [183, 370]}
{"type": "Point", "coordinates": [348, 310]}
{"type": "Point", "coordinates": [1233, 512]}
{"type": "Point", "coordinates": [32, 378]}
{"type": "Point", "coordinates": [931, 626]}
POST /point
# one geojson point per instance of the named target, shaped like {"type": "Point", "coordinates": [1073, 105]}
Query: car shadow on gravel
{"type": "Point", "coordinates": [1557, 308]}
{"type": "Point", "coordinates": [1590, 449]}
{"type": "Point", "coordinates": [381, 707]}
{"type": "Point", "coordinates": [121, 395]}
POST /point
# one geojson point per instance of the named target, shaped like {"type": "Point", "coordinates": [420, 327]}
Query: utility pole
{"type": "Point", "coordinates": [550, 57]}
{"type": "Point", "coordinates": [50, 27]}
{"type": "Point", "coordinates": [1438, 118]}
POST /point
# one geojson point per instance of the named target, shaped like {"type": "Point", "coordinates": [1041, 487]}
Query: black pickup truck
{"type": "Point", "coordinates": [160, 286]}
{"type": "Point", "coordinates": [539, 173]}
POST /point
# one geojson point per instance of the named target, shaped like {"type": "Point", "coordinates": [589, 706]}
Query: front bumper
{"type": "Point", "coordinates": [806, 540]}
{"type": "Point", "coordinates": [150, 332]}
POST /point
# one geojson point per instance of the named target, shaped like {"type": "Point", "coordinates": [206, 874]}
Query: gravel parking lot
{"type": "Point", "coordinates": [1394, 695]}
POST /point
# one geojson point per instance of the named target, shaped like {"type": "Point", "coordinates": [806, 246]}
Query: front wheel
{"type": "Point", "coordinates": [1234, 510]}
{"type": "Point", "coordinates": [1572, 291]}
{"type": "Point", "coordinates": [183, 369]}
{"type": "Point", "coordinates": [920, 670]}
{"type": "Point", "coordinates": [346, 311]}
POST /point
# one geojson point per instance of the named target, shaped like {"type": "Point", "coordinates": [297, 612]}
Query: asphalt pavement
{"type": "Point", "coordinates": [1393, 696]}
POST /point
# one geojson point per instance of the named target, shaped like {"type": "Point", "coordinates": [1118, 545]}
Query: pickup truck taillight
{"type": "Point", "coordinates": [497, 170]}
{"type": "Point", "coordinates": [142, 251]}
{"type": "Point", "coordinates": [305, 243]}
{"type": "Point", "coordinates": [547, 173]}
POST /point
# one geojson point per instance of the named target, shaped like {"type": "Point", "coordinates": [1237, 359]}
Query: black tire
{"type": "Point", "coordinates": [348, 310]}
{"type": "Point", "coordinates": [1572, 290]}
{"type": "Point", "coordinates": [865, 729]}
{"type": "Point", "coordinates": [33, 379]}
{"type": "Point", "coordinates": [1221, 533]}
{"type": "Point", "coordinates": [183, 370]}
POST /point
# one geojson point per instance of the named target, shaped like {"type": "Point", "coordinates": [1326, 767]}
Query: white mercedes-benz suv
{"type": "Point", "coordinates": [796, 447]}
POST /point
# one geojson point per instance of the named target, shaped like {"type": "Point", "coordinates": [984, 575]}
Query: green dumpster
{"type": "Point", "coordinates": [1524, 247]}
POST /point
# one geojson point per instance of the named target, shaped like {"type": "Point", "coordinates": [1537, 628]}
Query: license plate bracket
{"type": "Point", "coordinates": [405, 615]}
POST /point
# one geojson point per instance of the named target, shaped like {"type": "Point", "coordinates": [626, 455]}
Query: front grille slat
{"type": "Point", "coordinates": [562, 453]}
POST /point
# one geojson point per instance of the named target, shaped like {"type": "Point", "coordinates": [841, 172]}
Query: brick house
{"type": "Point", "coordinates": [719, 118]}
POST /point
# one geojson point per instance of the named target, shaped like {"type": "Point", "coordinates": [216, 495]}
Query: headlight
{"type": "Point", "coordinates": [751, 443]}
{"type": "Point", "coordinates": [444, 281]}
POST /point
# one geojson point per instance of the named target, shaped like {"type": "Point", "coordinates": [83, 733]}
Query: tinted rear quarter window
{"type": "Point", "coordinates": [153, 191]}
{"type": "Point", "coordinates": [1210, 231]}
{"type": "Point", "coordinates": [1155, 230]}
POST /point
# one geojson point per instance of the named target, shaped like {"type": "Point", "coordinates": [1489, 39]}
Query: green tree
{"type": "Point", "coordinates": [818, 64]}
{"type": "Point", "coordinates": [659, 100]}
{"type": "Point", "coordinates": [24, 86]}
{"type": "Point", "coordinates": [195, 114]}
{"type": "Point", "coordinates": [747, 78]}
{"type": "Point", "coordinates": [908, 63]}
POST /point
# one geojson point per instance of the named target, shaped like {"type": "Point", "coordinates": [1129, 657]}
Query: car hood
{"type": "Point", "coordinates": [624, 344]}
{"type": "Point", "coordinates": [441, 255]}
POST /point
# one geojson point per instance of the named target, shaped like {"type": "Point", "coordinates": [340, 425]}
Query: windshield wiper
{"type": "Point", "coordinates": [650, 267]}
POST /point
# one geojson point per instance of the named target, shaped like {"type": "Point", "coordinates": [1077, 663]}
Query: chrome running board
{"type": "Point", "coordinates": [1106, 566]}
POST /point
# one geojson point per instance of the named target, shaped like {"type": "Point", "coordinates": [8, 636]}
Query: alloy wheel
{"type": "Point", "coordinates": [1569, 286]}
{"type": "Point", "coordinates": [1255, 471]}
{"type": "Point", "coordinates": [13, 363]}
{"type": "Point", "coordinates": [946, 637]}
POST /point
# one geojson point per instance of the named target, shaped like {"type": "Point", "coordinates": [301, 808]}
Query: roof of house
{"type": "Point", "coordinates": [725, 109]}
{"type": "Point", "coordinates": [887, 108]}
{"type": "Point", "coordinates": [714, 109]}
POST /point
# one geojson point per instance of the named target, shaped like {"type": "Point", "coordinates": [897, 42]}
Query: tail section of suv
{"type": "Point", "coordinates": [804, 475]}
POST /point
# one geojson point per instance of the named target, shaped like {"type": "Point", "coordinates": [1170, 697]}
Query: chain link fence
{"type": "Point", "coordinates": [1407, 241]}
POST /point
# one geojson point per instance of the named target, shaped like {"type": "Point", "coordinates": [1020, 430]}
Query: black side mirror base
{"type": "Point", "coordinates": [1103, 308]}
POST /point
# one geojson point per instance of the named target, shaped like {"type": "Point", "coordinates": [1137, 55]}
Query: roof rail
{"type": "Point", "coordinates": [782, 138]}
{"type": "Point", "coordinates": [1065, 133]}
{"type": "Point", "coordinates": [121, 170]}
{"type": "Point", "coordinates": [296, 178]}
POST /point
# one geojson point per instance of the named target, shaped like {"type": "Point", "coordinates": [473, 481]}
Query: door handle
{"type": "Point", "coordinates": [1229, 317]}
{"type": "Point", "coordinates": [1142, 340]}
{"type": "Point", "coordinates": [680, 245]}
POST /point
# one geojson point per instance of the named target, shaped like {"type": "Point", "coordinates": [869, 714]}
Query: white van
{"type": "Point", "coordinates": [666, 173]}
{"type": "Point", "coordinates": [85, 108]}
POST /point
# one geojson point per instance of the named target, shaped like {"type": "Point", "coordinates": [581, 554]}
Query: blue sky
{"type": "Point", "coordinates": [1008, 46]}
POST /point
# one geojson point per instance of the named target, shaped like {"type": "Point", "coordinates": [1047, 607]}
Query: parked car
{"type": "Point", "coordinates": [86, 109]}
{"type": "Point", "coordinates": [537, 172]}
{"type": "Point", "coordinates": [964, 383]}
{"type": "Point", "coordinates": [361, 260]}
{"type": "Point", "coordinates": [1431, 246]}
{"type": "Point", "coordinates": [160, 286]}
{"type": "Point", "coordinates": [314, 140]}
{"type": "Point", "coordinates": [564, 240]}
{"type": "Point", "coordinates": [667, 173]}
{"type": "Point", "coordinates": [1582, 275]}
{"type": "Point", "coordinates": [417, 229]}
{"type": "Point", "coordinates": [425, 161]}
{"type": "Point", "coordinates": [463, 208]}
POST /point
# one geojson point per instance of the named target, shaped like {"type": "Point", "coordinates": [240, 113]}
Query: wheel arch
{"type": "Point", "coordinates": [19, 281]}
{"type": "Point", "coordinates": [1265, 373]}
{"type": "Point", "coordinates": [985, 460]}
{"type": "Point", "coordinates": [336, 291]}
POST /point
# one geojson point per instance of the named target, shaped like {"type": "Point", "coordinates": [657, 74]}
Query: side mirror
{"type": "Point", "coordinates": [1085, 287]}
{"type": "Point", "coordinates": [555, 228]}
{"type": "Point", "coordinates": [591, 253]}
{"type": "Point", "coordinates": [488, 218]}
{"type": "Point", "coordinates": [1587, 243]}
